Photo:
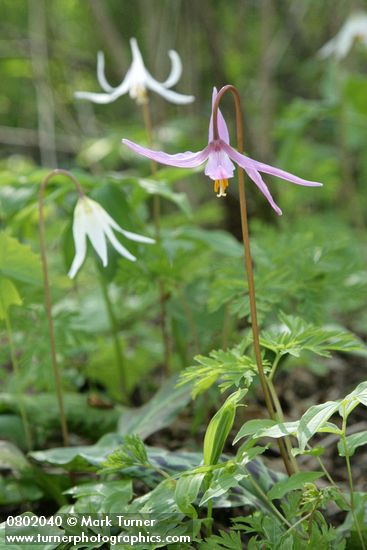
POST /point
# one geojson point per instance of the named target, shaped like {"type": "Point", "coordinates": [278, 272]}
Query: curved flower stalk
{"type": "Point", "coordinates": [137, 81]}
{"type": "Point", "coordinates": [92, 221]}
{"type": "Point", "coordinates": [354, 28]}
{"type": "Point", "coordinates": [219, 157]}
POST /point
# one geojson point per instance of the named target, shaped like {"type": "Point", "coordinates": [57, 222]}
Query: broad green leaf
{"type": "Point", "coordinates": [158, 413]}
{"type": "Point", "coordinates": [294, 482]}
{"type": "Point", "coordinates": [314, 419]}
{"type": "Point", "coordinates": [353, 442]}
{"type": "Point", "coordinates": [223, 480]}
{"type": "Point", "coordinates": [186, 492]}
{"type": "Point", "coordinates": [161, 188]}
{"type": "Point", "coordinates": [18, 261]}
{"type": "Point", "coordinates": [360, 393]}
{"type": "Point", "coordinates": [106, 496]}
{"type": "Point", "coordinates": [11, 458]}
{"type": "Point", "coordinates": [9, 296]}
{"type": "Point", "coordinates": [253, 426]}
{"type": "Point", "coordinates": [281, 429]}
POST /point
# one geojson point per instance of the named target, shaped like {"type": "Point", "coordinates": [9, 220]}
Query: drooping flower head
{"type": "Point", "coordinates": [354, 29]}
{"type": "Point", "coordinates": [137, 81]}
{"type": "Point", "coordinates": [219, 157]}
{"type": "Point", "coordinates": [92, 221]}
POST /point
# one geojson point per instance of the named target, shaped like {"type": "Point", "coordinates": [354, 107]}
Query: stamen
{"type": "Point", "coordinates": [221, 185]}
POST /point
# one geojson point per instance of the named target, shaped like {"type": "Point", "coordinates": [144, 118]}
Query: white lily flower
{"type": "Point", "coordinates": [354, 28]}
{"type": "Point", "coordinates": [92, 221]}
{"type": "Point", "coordinates": [137, 81]}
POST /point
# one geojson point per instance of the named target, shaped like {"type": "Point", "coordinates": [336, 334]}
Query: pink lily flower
{"type": "Point", "coordinates": [218, 155]}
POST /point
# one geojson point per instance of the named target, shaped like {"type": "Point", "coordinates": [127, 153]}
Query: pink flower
{"type": "Point", "coordinates": [218, 155]}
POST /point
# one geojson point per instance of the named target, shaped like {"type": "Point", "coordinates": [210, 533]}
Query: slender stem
{"type": "Point", "coordinates": [120, 361]}
{"type": "Point", "coordinates": [350, 480]}
{"type": "Point", "coordinates": [266, 499]}
{"type": "Point", "coordinates": [274, 366]}
{"type": "Point", "coordinates": [328, 476]}
{"type": "Point", "coordinates": [248, 259]}
{"type": "Point", "coordinates": [279, 410]}
{"type": "Point", "coordinates": [157, 225]}
{"type": "Point", "coordinates": [47, 293]}
{"type": "Point", "coordinates": [14, 360]}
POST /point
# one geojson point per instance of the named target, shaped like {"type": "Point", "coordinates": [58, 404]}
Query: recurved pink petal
{"type": "Point", "coordinates": [222, 126]}
{"type": "Point", "coordinates": [247, 162]}
{"type": "Point", "coordinates": [181, 160]}
{"type": "Point", "coordinates": [257, 179]}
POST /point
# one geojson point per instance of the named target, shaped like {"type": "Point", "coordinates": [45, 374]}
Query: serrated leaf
{"type": "Point", "coordinates": [294, 482]}
{"type": "Point", "coordinates": [231, 368]}
{"type": "Point", "coordinates": [294, 335]}
{"type": "Point", "coordinates": [313, 419]}
{"type": "Point", "coordinates": [353, 442]}
{"type": "Point", "coordinates": [9, 296]}
{"type": "Point", "coordinates": [18, 261]}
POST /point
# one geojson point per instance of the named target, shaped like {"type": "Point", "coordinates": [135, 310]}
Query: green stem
{"type": "Point", "coordinates": [14, 360]}
{"type": "Point", "coordinates": [280, 414]}
{"type": "Point", "coordinates": [274, 366]}
{"type": "Point", "coordinates": [269, 503]}
{"type": "Point", "coordinates": [120, 361]}
{"type": "Point", "coordinates": [350, 480]}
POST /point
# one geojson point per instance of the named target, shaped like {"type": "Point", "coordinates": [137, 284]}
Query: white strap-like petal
{"type": "Point", "coordinates": [102, 99]}
{"type": "Point", "coordinates": [96, 232]}
{"type": "Point", "coordinates": [101, 77]}
{"type": "Point", "coordinates": [169, 95]}
{"type": "Point", "coordinates": [118, 246]}
{"type": "Point", "coordinates": [136, 237]}
{"type": "Point", "coordinates": [136, 53]}
{"type": "Point", "coordinates": [80, 241]}
{"type": "Point", "coordinates": [176, 70]}
{"type": "Point", "coordinates": [128, 234]}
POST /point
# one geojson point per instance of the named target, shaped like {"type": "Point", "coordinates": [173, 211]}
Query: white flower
{"type": "Point", "coordinates": [137, 81]}
{"type": "Point", "coordinates": [354, 28]}
{"type": "Point", "coordinates": [92, 221]}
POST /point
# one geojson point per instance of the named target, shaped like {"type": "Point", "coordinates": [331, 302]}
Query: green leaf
{"type": "Point", "coordinates": [131, 453]}
{"type": "Point", "coordinates": [18, 261]}
{"type": "Point", "coordinates": [11, 458]}
{"type": "Point", "coordinates": [294, 482]}
{"type": "Point", "coordinates": [158, 413]}
{"type": "Point", "coordinates": [186, 492]}
{"type": "Point", "coordinates": [230, 368]}
{"type": "Point", "coordinates": [223, 480]}
{"type": "Point", "coordinates": [280, 429]}
{"type": "Point", "coordinates": [9, 296]}
{"type": "Point", "coordinates": [294, 335]}
{"type": "Point", "coordinates": [161, 188]}
{"type": "Point", "coordinates": [314, 419]}
{"type": "Point", "coordinates": [253, 426]}
{"type": "Point", "coordinates": [353, 442]}
{"type": "Point", "coordinates": [219, 427]}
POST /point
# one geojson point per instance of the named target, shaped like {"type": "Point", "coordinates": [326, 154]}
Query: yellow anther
{"type": "Point", "coordinates": [221, 186]}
